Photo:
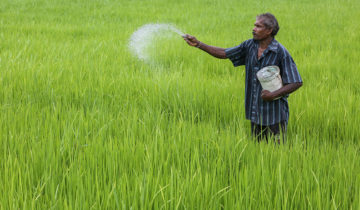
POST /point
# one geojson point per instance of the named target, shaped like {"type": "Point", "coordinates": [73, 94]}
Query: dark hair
{"type": "Point", "coordinates": [270, 22]}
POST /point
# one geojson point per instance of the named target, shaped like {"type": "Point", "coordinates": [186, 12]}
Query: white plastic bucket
{"type": "Point", "coordinates": [270, 78]}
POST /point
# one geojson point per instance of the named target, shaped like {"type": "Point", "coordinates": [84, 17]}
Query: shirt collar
{"type": "Point", "coordinates": [273, 46]}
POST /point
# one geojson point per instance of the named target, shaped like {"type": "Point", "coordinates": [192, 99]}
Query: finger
{"type": "Point", "coordinates": [192, 38]}
{"type": "Point", "coordinates": [187, 37]}
{"type": "Point", "coordinates": [189, 42]}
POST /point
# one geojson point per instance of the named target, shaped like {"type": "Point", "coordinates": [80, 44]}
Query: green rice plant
{"type": "Point", "coordinates": [86, 125]}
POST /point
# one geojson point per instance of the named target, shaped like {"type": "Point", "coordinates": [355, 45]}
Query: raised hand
{"type": "Point", "coordinates": [191, 40]}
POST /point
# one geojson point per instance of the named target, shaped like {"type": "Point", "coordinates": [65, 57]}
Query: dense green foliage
{"type": "Point", "coordinates": [85, 125]}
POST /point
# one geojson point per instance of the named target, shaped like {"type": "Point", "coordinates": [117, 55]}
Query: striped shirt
{"type": "Point", "coordinates": [257, 110]}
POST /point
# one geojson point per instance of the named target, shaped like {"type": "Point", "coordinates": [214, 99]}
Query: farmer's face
{"type": "Point", "coordinates": [260, 32]}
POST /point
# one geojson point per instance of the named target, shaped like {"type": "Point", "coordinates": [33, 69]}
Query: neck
{"type": "Point", "coordinates": [264, 43]}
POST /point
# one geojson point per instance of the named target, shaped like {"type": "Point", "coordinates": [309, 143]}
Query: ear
{"type": "Point", "coordinates": [269, 31]}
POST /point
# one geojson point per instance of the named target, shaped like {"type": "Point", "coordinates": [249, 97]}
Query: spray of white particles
{"type": "Point", "coordinates": [141, 39]}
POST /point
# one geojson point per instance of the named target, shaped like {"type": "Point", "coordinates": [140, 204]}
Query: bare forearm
{"type": "Point", "coordinates": [287, 89]}
{"type": "Point", "coordinates": [217, 52]}
{"type": "Point", "coordinates": [214, 51]}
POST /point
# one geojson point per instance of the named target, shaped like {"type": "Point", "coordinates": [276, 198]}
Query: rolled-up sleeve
{"type": "Point", "coordinates": [237, 54]}
{"type": "Point", "coordinates": [289, 71]}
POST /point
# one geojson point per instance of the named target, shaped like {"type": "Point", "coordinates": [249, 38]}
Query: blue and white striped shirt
{"type": "Point", "coordinates": [257, 110]}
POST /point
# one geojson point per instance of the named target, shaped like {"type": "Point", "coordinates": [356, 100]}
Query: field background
{"type": "Point", "coordinates": [85, 125]}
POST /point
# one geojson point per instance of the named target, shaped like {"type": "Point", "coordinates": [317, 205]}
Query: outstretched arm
{"type": "Point", "coordinates": [217, 52]}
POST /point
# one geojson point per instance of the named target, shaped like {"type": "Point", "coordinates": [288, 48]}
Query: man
{"type": "Point", "coordinates": [267, 111]}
